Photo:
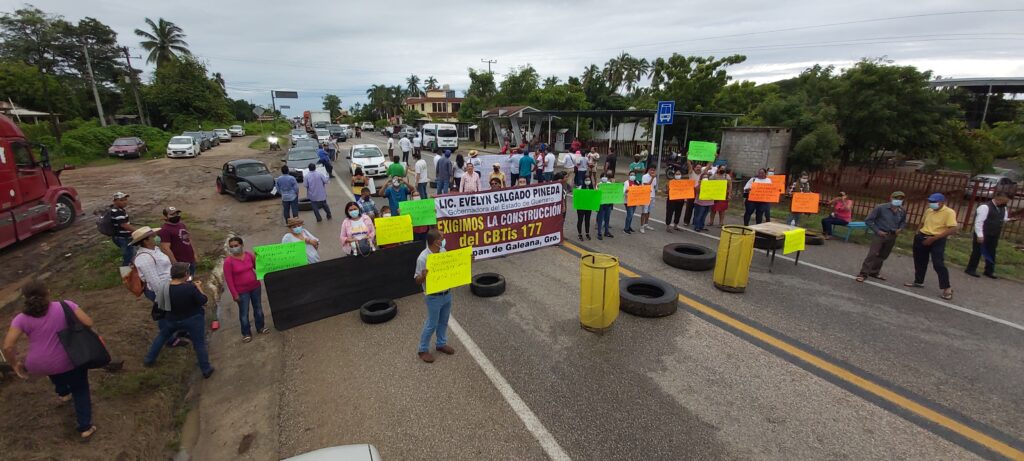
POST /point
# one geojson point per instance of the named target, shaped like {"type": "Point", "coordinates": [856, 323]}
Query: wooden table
{"type": "Point", "coordinates": [776, 231]}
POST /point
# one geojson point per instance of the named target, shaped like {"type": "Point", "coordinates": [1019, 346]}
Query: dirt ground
{"type": "Point", "coordinates": [138, 411]}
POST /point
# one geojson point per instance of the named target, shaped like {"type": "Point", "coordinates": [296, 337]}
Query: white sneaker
{"type": "Point", "coordinates": [642, 229]}
{"type": "Point", "coordinates": [649, 226]}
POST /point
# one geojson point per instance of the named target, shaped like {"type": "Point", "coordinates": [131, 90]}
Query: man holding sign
{"type": "Point", "coordinates": [439, 305]}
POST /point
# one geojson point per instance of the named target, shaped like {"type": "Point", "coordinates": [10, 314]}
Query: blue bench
{"type": "Point", "coordinates": [854, 225]}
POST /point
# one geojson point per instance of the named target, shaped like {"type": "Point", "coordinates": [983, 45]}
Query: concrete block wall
{"type": "Point", "coordinates": [749, 148]}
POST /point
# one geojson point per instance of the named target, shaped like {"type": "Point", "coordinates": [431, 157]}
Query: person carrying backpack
{"type": "Point", "coordinates": [115, 223]}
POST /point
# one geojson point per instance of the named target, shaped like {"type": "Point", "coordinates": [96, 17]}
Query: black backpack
{"type": "Point", "coordinates": [105, 222]}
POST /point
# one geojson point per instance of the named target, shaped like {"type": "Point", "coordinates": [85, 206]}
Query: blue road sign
{"type": "Point", "coordinates": [666, 112]}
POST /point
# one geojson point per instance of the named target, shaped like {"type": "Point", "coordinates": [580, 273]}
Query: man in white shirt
{"type": "Point", "coordinates": [391, 147]}
{"type": "Point", "coordinates": [406, 145]}
{"type": "Point", "coordinates": [417, 144]}
{"type": "Point", "coordinates": [421, 174]}
{"type": "Point", "coordinates": [763, 209]}
{"type": "Point", "coordinates": [649, 179]}
{"type": "Point", "coordinates": [549, 166]}
{"type": "Point", "coordinates": [988, 224]}
{"type": "Point", "coordinates": [514, 165]}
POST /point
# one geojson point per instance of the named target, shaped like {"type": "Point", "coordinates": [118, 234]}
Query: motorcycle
{"type": "Point", "coordinates": [274, 142]}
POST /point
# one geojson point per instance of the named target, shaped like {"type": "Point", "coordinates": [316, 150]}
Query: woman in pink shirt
{"type": "Point", "coordinates": [470, 180]}
{"type": "Point", "coordinates": [842, 213]}
{"type": "Point", "coordinates": [41, 320]}
{"type": "Point", "coordinates": [358, 236]}
{"type": "Point", "coordinates": [240, 277]}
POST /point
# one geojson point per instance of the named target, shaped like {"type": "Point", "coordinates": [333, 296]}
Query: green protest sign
{"type": "Point", "coordinates": [279, 256]}
{"type": "Point", "coordinates": [702, 151]}
{"type": "Point", "coordinates": [586, 199]}
{"type": "Point", "coordinates": [612, 192]}
{"type": "Point", "coordinates": [422, 211]}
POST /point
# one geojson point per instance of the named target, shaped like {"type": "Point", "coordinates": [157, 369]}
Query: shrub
{"type": "Point", "coordinates": [90, 142]}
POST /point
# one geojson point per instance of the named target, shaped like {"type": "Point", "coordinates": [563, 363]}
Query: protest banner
{"type": "Point", "coordinates": [805, 202]}
{"type": "Point", "coordinates": [713, 189]}
{"type": "Point", "coordinates": [680, 189]}
{"type": "Point", "coordinates": [763, 192]}
{"type": "Point", "coordinates": [586, 199]}
{"type": "Point", "coordinates": [702, 151]}
{"type": "Point", "coordinates": [394, 229]}
{"type": "Point", "coordinates": [503, 221]}
{"type": "Point", "coordinates": [795, 240]}
{"type": "Point", "coordinates": [423, 212]}
{"type": "Point", "coordinates": [779, 180]}
{"type": "Point", "coordinates": [638, 196]}
{"type": "Point", "coordinates": [449, 269]}
{"type": "Point", "coordinates": [279, 256]}
{"type": "Point", "coordinates": [612, 193]}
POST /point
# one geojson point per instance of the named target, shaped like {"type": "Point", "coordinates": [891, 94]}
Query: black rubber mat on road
{"type": "Point", "coordinates": [309, 293]}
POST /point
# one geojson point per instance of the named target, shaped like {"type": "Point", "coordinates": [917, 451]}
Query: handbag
{"type": "Point", "coordinates": [131, 278]}
{"type": "Point", "coordinates": [363, 247]}
{"type": "Point", "coordinates": [85, 348]}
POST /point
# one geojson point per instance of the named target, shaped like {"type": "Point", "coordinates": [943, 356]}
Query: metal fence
{"type": "Point", "coordinates": [869, 189]}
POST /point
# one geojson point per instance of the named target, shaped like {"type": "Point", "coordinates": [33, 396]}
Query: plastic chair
{"type": "Point", "coordinates": [854, 225]}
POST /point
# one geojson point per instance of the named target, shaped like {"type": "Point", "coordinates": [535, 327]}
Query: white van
{"type": "Point", "coordinates": [440, 136]}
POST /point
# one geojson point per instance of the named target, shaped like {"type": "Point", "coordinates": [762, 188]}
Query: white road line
{"type": "Point", "coordinates": [880, 285]}
{"type": "Point", "coordinates": [533, 424]}
{"type": "Point", "coordinates": [527, 416]}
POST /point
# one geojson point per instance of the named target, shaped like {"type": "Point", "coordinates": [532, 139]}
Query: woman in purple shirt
{"type": "Point", "coordinates": [41, 320]}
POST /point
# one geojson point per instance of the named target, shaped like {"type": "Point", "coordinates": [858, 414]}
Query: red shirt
{"type": "Point", "coordinates": [240, 274]}
{"type": "Point", "coordinates": [181, 243]}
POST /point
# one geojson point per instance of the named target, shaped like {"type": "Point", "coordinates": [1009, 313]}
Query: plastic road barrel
{"type": "Point", "coordinates": [599, 291]}
{"type": "Point", "coordinates": [735, 251]}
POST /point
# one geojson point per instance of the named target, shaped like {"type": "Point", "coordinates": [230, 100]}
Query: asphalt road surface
{"type": "Point", "coordinates": [807, 364]}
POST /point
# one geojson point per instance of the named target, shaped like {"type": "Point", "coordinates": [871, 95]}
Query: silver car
{"type": "Point", "coordinates": [984, 186]}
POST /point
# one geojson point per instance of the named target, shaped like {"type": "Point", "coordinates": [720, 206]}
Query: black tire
{"type": "Point", "coordinates": [647, 297]}
{"type": "Point", "coordinates": [65, 212]}
{"type": "Point", "coordinates": [242, 192]}
{"type": "Point", "coordinates": [766, 243]}
{"type": "Point", "coordinates": [814, 238]}
{"type": "Point", "coordinates": [378, 311]}
{"type": "Point", "coordinates": [305, 205]}
{"type": "Point", "coordinates": [688, 256]}
{"type": "Point", "coordinates": [487, 284]}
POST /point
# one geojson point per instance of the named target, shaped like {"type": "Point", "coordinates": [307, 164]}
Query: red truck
{"type": "Point", "coordinates": [32, 199]}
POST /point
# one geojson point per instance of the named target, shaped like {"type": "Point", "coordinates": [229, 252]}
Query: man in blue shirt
{"type": "Point", "coordinates": [398, 192]}
{"type": "Point", "coordinates": [288, 187]}
{"type": "Point", "coordinates": [316, 191]}
{"type": "Point", "coordinates": [526, 166]}
{"type": "Point", "coordinates": [444, 173]}
{"type": "Point", "coordinates": [325, 160]}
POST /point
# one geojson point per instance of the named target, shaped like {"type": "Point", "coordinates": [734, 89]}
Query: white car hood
{"type": "Point", "coordinates": [179, 146]}
{"type": "Point", "coordinates": [364, 161]}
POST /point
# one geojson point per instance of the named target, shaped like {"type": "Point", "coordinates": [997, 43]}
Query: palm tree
{"type": "Point", "coordinates": [377, 100]}
{"type": "Point", "coordinates": [635, 70]}
{"type": "Point", "coordinates": [430, 82]}
{"type": "Point", "coordinates": [165, 42]}
{"type": "Point", "coordinates": [550, 81]}
{"type": "Point", "coordinates": [590, 73]}
{"type": "Point", "coordinates": [219, 80]}
{"type": "Point", "coordinates": [413, 86]}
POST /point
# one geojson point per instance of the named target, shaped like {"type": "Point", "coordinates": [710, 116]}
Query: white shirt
{"type": "Point", "coordinates": [581, 161]}
{"type": "Point", "coordinates": [477, 163]}
{"type": "Point", "coordinates": [751, 181]}
{"type": "Point", "coordinates": [154, 267]}
{"type": "Point", "coordinates": [421, 171]}
{"type": "Point", "coordinates": [417, 142]}
{"type": "Point", "coordinates": [312, 256]}
{"type": "Point", "coordinates": [653, 181]}
{"type": "Point", "coordinates": [391, 143]}
{"type": "Point", "coordinates": [981, 215]}
{"type": "Point", "coordinates": [549, 163]}
{"type": "Point", "coordinates": [405, 144]}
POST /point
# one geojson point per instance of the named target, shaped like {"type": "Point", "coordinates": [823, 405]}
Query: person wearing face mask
{"type": "Point", "coordinates": [674, 208]}
{"type": "Point", "coordinates": [938, 224]}
{"type": "Point", "coordinates": [637, 167]}
{"type": "Point", "coordinates": [358, 235]}
{"type": "Point", "coordinates": [296, 233]}
{"type": "Point", "coordinates": [604, 213]}
{"type": "Point", "coordinates": [396, 193]}
{"type": "Point", "coordinates": [245, 289]}
{"type": "Point", "coordinates": [885, 221]}
{"type": "Point", "coordinates": [988, 224]}
{"type": "Point", "coordinates": [583, 216]}
{"type": "Point", "coordinates": [842, 213]}
{"type": "Point", "coordinates": [802, 185]}
{"type": "Point", "coordinates": [649, 179]}
{"type": "Point", "coordinates": [762, 209]}
{"type": "Point", "coordinates": [701, 208]}
{"type": "Point", "coordinates": [721, 206]}
{"type": "Point", "coordinates": [631, 180]}
{"type": "Point", "coordinates": [175, 240]}
{"type": "Point", "coordinates": [439, 305]}
{"type": "Point", "coordinates": [153, 264]}
{"type": "Point", "coordinates": [445, 172]}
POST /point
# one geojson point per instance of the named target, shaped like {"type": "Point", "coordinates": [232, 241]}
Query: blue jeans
{"type": "Point", "coordinates": [700, 217]}
{"type": "Point", "coordinates": [76, 383]}
{"type": "Point", "coordinates": [581, 176]}
{"type": "Point", "coordinates": [316, 209]}
{"type": "Point", "coordinates": [253, 297]}
{"type": "Point", "coordinates": [422, 189]}
{"type": "Point", "coordinates": [196, 328]}
{"type": "Point", "coordinates": [528, 178]}
{"type": "Point", "coordinates": [439, 308]}
{"type": "Point", "coordinates": [127, 251]}
{"type": "Point", "coordinates": [829, 221]}
{"type": "Point", "coordinates": [442, 186]}
{"type": "Point", "coordinates": [604, 216]}
{"type": "Point", "coordinates": [629, 218]}
{"type": "Point", "coordinates": [763, 212]}
{"type": "Point", "coordinates": [290, 205]}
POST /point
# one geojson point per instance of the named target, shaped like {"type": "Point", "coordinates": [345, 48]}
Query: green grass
{"type": "Point", "coordinates": [97, 269]}
{"type": "Point", "coordinates": [166, 376]}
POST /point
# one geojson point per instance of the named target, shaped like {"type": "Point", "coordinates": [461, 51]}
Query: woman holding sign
{"type": "Point", "coordinates": [296, 233]}
{"type": "Point", "coordinates": [763, 209]}
{"type": "Point", "coordinates": [701, 207]}
{"type": "Point", "coordinates": [357, 232]}
{"type": "Point", "coordinates": [721, 206]}
{"type": "Point", "coordinates": [240, 277]}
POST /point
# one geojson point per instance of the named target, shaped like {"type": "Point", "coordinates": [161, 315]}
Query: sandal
{"type": "Point", "coordinates": [264, 331]}
{"type": "Point", "coordinates": [246, 339]}
{"type": "Point", "coordinates": [879, 277]}
{"type": "Point", "coordinates": [860, 278]}
{"type": "Point", "coordinates": [947, 294]}
{"type": "Point", "coordinates": [913, 285]}
{"type": "Point", "coordinates": [85, 436]}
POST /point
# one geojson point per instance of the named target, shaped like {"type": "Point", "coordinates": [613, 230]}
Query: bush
{"type": "Point", "coordinates": [90, 141]}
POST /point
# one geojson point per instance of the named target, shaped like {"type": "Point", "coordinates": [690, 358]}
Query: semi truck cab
{"type": "Point", "coordinates": [32, 198]}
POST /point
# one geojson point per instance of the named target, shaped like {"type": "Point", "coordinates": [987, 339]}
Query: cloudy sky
{"type": "Point", "coordinates": [344, 47]}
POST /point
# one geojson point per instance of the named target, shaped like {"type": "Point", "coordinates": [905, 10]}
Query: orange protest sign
{"type": "Point", "coordinates": [638, 196]}
{"type": "Point", "coordinates": [805, 202]}
{"type": "Point", "coordinates": [680, 189]}
{"type": "Point", "coordinates": [764, 192]}
{"type": "Point", "coordinates": [779, 180]}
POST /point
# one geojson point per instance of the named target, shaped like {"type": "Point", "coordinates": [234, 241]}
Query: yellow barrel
{"type": "Point", "coordinates": [599, 291]}
{"type": "Point", "coordinates": [732, 265]}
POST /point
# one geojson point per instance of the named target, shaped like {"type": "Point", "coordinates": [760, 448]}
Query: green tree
{"type": "Point", "coordinates": [479, 97]}
{"type": "Point", "coordinates": [413, 86]}
{"type": "Point", "coordinates": [519, 83]}
{"type": "Point", "coordinates": [31, 36]}
{"type": "Point", "coordinates": [332, 103]}
{"type": "Point", "coordinates": [693, 82]}
{"type": "Point", "coordinates": [185, 96]}
{"type": "Point", "coordinates": [22, 84]}
{"type": "Point", "coordinates": [559, 97]}
{"type": "Point", "coordinates": [241, 110]}
{"type": "Point", "coordinates": [164, 41]}
{"type": "Point", "coordinates": [430, 82]}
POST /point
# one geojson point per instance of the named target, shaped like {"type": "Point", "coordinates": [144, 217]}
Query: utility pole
{"type": "Point", "coordinates": [95, 93]}
{"type": "Point", "coordinates": [489, 62]}
{"type": "Point", "coordinates": [135, 86]}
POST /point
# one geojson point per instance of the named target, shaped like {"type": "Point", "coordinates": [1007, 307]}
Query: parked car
{"type": "Point", "coordinates": [236, 130]}
{"type": "Point", "coordinates": [245, 179]}
{"type": "Point", "coordinates": [204, 142]}
{"type": "Point", "coordinates": [984, 186]}
{"type": "Point", "coordinates": [184, 146]}
{"type": "Point", "coordinates": [370, 158]}
{"type": "Point", "coordinates": [338, 132]}
{"type": "Point", "coordinates": [127, 148]}
{"type": "Point", "coordinates": [349, 131]}
{"type": "Point", "coordinates": [306, 142]}
{"type": "Point", "coordinates": [214, 139]}
{"type": "Point", "coordinates": [298, 161]}
{"type": "Point", "coordinates": [366, 126]}
{"type": "Point", "coordinates": [299, 134]}
{"type": "Point", "coordinates": [323, 135]}
{"type": "Point", "coordinates": [222, 134]}
{"type": "Point", "coordinates": [407, 132]}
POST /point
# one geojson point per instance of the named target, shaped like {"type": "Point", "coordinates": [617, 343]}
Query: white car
{"type": "Point", "coordinates": [349, 131]}
{"type": "Point", "coordinates": [360, 452]}
{"type": "Point", "coordinates": [367, 126]}
{"type": "Point", "coordinates": [223, 134]}
{"type": "Point", "coordinates": [236, 130]}
{"type": "Point", "coordinates": [183, 146]}
{"type": "Point", "coordinates": [323, 135]}
{"type": "Point", "coordinates": [298, 134]}
{"type": "Point", "coordinates": [370, 158]}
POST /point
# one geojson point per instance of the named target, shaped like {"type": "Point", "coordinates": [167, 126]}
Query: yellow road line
{"type": "Point", "coordinates": [844, 374]}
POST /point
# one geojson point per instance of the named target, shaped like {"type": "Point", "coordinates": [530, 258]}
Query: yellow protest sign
{"type": "Point", "coordinates": [638, 196]}
{"type": "Point", "coordinates": [805, 202]}
{"type": "Point", "coordinates": [713, 189]}
{"type": "Point", "coordinates": [680, 189]}
{"type": "Point", "coordinates": [794, 240]}
{"type": "Point", "coordinates": [395, 229]}
{"type": "Point", "coordinates": [449, 269]}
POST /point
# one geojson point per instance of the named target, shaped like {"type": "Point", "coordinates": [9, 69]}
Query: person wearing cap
{"type": "Point", "coordinates": [477, 163]}
{"type": "Point", "coordinates": [175, 240]}
{"type": "Point", "coordinates": [497, 174]}
{"type": "Point", "coordinates": [444, 173]}
{"type": "Point", "coordinates": [988, 224]}
{"type": "Point", "coordinates": [153, 264]}
{"type": "Point", "coordinates": [288, 187]}
{"type": "Point", "coordinates": [123, 227]}
{"type": "Point", "coordinates": [842, 213]}
{"type": "Point", "coordinates": [938, 224]}
{"type": "Point", "coordinates": [296, 233]}
{"type": "Point", "coordinates": [885, 221]}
